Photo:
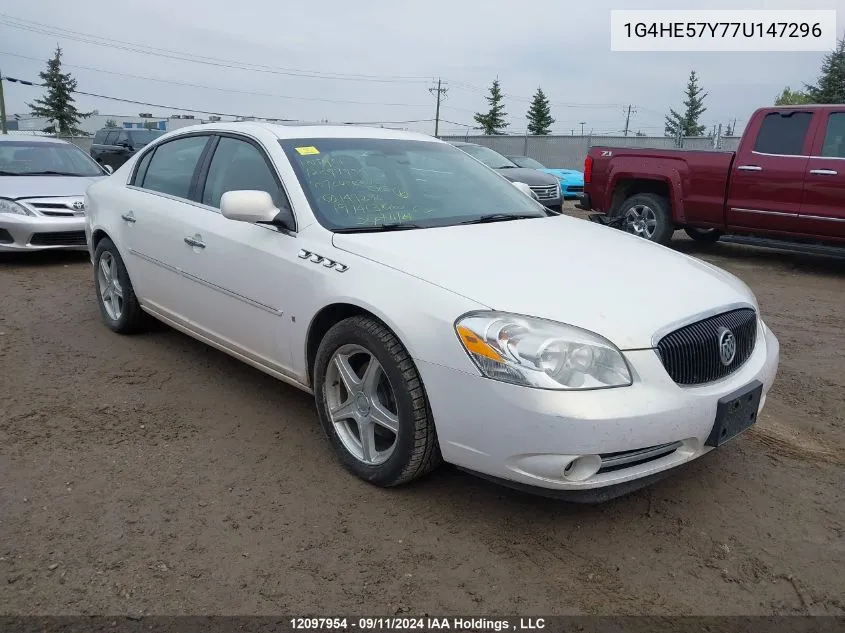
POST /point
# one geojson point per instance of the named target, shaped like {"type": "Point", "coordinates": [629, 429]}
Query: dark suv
{"type": "Point", "coordinates": [114, 146]}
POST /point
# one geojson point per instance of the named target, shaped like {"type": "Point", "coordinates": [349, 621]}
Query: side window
{"type": "Point", "coordinates": [238, 165]}
{"type": "Point", "coordinates": [141, 171]}
{"type": "Point", "coordinates": [99, 137]}
{"type": "Point", "coordinates": [783, 134]}
{"type": "Point", "coordinates": [834, 138]}
{"type": "Point", "coordinates": [123, 137]}
{"type": "Point", "coordinates": [111, 138]}
{"type": "Point", "coordinates": [172, 166]}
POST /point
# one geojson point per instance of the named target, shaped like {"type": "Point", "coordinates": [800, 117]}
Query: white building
{"type": "Point", "coordinates": [97, 121]}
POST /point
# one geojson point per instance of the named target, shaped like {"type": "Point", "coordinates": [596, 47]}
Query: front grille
{"type": "Point", "coordinates": [62, 238]}
{"type": "Point", "coordinates": [545, 192]}
{"type": "Point", "coordinates": [575, 188]}
{"type": "Point", "coordinates": [691, 354]}
{"type": "Point", "coordinates": [5, 237]}
{"type": "Point", "coordinates": [56, 207]}
{"type": "Point", "coordinates": [628, 459]}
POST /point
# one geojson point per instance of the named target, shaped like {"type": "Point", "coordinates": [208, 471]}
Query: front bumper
{"type": "Point", "coordinates": [20, 233]}
{"type": "Point", "coordinates": [529, 437]}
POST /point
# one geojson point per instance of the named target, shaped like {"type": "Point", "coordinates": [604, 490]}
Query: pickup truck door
{"type": "Point", "coordinates": [823, 209]}
{"type": "Point", "coordinates": [767, 177]}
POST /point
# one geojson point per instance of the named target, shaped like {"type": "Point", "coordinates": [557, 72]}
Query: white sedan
{"type": "Point", "coordinates": [435, 311]}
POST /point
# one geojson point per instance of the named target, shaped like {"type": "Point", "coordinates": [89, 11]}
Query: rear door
{"type": "Point", "coordinates": [157, 198]}
{"type": "Point", "coordinates": [823, 209]}
{"type": "Point", "coordinates": [767, 177]}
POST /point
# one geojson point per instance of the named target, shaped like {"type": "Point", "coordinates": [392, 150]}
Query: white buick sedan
{"type": "Point", "coordinates": [435, 311]}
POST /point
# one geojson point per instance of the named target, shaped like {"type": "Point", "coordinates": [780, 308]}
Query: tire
{"type": "Point", "coordinates": [122, 313]}
{"type": "Point", "coordinates": [390, 458]}
{"type": "Point", "coordinates": [647, 215]}
{"type": "Point", "coordinates": [703, 236]}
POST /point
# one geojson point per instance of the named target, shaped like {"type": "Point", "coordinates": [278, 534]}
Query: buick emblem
{"type": "Point", "coordinates": [727, 346]}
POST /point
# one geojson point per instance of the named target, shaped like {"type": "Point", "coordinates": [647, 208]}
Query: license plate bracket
{"type": "Point", "coordinates": [735, 413]}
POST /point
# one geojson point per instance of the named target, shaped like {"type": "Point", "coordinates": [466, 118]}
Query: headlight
{"type": "Point", "coordinates": [538, 353]}
{"type": "Point", "coordinates": [10, 206]}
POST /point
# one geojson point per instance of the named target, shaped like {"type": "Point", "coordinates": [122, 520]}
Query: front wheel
{"type": "Point", "coordinates": [372, 405]}
{"type": "Point", "coordinates": [703, 236]}
{"type": "Point", "coordinates": [647, 215]}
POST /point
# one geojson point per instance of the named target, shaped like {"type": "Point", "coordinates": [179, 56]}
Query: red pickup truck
{"type": "Point", "coordinates": [785, 183]}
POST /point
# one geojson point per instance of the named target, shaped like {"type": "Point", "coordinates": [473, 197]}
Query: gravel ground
{"type": "Point", "coordinates": [152, 474]}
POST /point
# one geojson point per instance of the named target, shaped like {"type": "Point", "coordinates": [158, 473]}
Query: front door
{"type": "Point", "coordinates": [240, 272]}
{"type": "Point", "coordinates": [823, 209]}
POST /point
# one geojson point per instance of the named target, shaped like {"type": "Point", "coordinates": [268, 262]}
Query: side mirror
{"type": "Point", "coordinates": [108, 169]}
{"type": "Point", "coordinates": [526, 190]}
{"type": "Point", "coordinates": [255, 207]}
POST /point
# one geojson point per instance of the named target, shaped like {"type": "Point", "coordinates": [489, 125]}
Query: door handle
{"type": "Point", "coordinates": [750, 168]}
{"type": "Point", "coordinates": [196, 241]}
{"type": "Point", "coordinates": [824, 172]}
{"type": "Point", "coordinates": [129, 217]}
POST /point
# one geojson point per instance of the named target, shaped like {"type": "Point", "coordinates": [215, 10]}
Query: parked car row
{"type": "Point", "coordinates": [390, 274]}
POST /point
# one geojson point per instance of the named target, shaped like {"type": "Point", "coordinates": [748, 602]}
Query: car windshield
{"type": "Point", "coordinates": [524, 161]}
{"type": "Point", "coordinates": [33, 158]}
{"type": "Point", "coordinates": [370, 183]}
{"type": "Point", "coordinates": [142, 137]}
{"type": "Point", "coordinates": [487, 156]}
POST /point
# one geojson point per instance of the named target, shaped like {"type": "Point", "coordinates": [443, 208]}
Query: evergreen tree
{"type": "Point", "coordinates": [687, 124]}
{"type": "Point", "coordinates": [539, 115]}
{"type": "Point", "coordinates": [57, 106]}
{"type": "Point", "coordinates": [494, 121]}
{"type": "Point", "coordinates": [793, 97]}
{"type": "Point", "coordinates": [831, 85]}
{"type": "Point", "coordinates": [111, 124]}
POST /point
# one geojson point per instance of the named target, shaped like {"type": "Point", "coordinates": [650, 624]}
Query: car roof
{"type": "Point", "coordinates": [34, 139]}
{"type": "Point", "coordinates": [296, 130]}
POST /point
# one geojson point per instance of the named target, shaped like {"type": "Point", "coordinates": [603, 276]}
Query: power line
{"type": "Point", "coordinates": [228, 114]}
{"type": "Point", "coordinates": [46, 29]}
{"type": "Point", "coordinates": [232, 90]}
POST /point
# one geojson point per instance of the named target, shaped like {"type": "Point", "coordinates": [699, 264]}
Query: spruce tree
{"type": "Point", "coordinates": [539, 115]}
{"type": "Point", "coordinates": [792, 97]}
{"type": "Point", "coordinates": [57, 105]}
{"type": "Point", "coordinates": [830, 87]}
{"type": "Point", "coordinates": [688, 122]}
{"type": "Point", "coordinates": [494, 121]}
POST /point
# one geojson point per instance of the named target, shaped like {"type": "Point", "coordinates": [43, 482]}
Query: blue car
{"type": "Point", "coordinates": [571, 180]}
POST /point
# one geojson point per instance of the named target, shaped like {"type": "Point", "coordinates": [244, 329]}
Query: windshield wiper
{"type": "Point", "coordinates": [392, 226]}
{"type": "Point", "coordinates": [500, 217]}
{"type": "Point", "coordinates": [47, 173]}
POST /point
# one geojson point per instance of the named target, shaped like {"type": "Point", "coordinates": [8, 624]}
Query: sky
{"type": "Point", "coordinates": [375, 60]}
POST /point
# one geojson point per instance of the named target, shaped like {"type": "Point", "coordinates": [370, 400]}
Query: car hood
{"type": "Point", "coordinates": [531, 177]}
{"type": "Point", "coordinates": [16, 187]}
{"type": "Point", "coordinates": [566, 174]}
{"type": "Point", "coordinates": [563, 269]}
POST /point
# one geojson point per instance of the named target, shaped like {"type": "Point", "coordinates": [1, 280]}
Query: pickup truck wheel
{"type": "Point", "coordinates": [647, 215]}
{"type": "Point", "coordinates": [372, 405]}
{"type": "Point", "coordinates": [703, 236]}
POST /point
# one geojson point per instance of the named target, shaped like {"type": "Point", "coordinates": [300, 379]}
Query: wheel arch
{"type": "Point", "coordinates": [330, 315]}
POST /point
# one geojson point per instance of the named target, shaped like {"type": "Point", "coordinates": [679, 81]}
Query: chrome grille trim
{"type": "Point", "coordinates": [55, 207]}
{"type": "Point", "coordinates": [545, 192]}
{"type": "Point", "coordinates": [624, 459]}
{"type": "Point", "coordinates": [690, 354]}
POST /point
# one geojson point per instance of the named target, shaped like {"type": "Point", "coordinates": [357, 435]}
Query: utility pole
{"type": "Point", "coordinates": [440, 92]}
{"type": "Point", "coordinates": [2, 107]}
{"type": "Point", "coordinates": [628, 118]}
{"type": "Point", "coordinates": [582, 124]}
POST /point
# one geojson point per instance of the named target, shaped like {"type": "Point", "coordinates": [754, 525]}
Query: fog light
{"type": "Point", "coordinates": [582, 468]}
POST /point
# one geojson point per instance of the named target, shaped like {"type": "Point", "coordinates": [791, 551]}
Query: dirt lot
{"type": "Point", "coordinates": [152, 474]}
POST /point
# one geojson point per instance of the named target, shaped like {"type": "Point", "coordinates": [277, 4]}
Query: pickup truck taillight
{"type": "Point", "coordinates": [588, 170]}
